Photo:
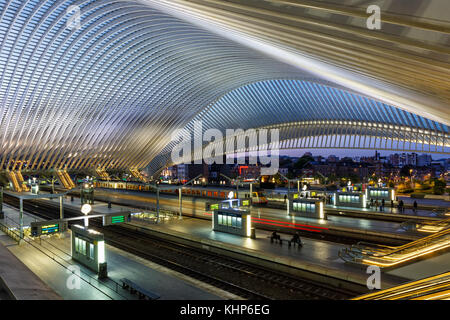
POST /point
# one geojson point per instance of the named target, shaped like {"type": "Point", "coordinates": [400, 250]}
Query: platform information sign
{"type": "Point", "coordinates": [48, 227]}
{"type": "Point", "coordinates": [116, 219]}
{"type": "Point", "coordinates": [51, 228]}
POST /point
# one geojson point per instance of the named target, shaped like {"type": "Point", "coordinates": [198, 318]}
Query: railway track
{"type": "Point", "coordinates": [242, 279]}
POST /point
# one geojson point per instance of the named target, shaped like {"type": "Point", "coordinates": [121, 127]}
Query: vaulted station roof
{"type": "Point", "coordinates": [109, 91]}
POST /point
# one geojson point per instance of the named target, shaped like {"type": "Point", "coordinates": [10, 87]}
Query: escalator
{"type": "Point", "coordinates": [432, 288]}
{"type": "Point", "coordinates": [388, 256]}
{"type": "Point", "coordinates": [65, 179]}
{"type": "Point", "coordinates": [14, 182]}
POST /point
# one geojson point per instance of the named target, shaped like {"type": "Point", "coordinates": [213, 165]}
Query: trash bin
{"type": "Point", "coordinates": [253, 233]}
{"type": "Point", "coordinates": [102, 271]}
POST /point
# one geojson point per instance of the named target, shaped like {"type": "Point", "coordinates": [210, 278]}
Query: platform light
{"type": "Point", "coordinates": [86, 208]}
{"type": "Point", "coordinates": [321, 210]}
{"type": "Point", "coordinates": [249, 225]}
{"type": "Point", "coordinates": [231, 195]}
{"type": "Point", "coordinates": [101, 251]}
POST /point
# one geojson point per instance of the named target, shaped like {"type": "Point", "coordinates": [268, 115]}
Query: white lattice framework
{"type": "Point", "coordinates": [110, 93]}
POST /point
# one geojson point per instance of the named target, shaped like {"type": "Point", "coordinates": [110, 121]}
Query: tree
{"type": "Point", "coordinates": [303, 162]}
{"type": "Point", "coordinates": [439, 186]}
{"type": "Point", "coordinates": [405, 171]}
{"type": "Point", "coordinates": [354, 178]}
{"type": "Point", "coordinates": [332, 178]}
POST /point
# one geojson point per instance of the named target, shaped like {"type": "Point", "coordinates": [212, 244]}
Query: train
{"type": "Point", "coordinates": [221, 192]}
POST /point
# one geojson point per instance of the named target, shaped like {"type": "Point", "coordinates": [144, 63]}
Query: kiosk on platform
{"type": "Point", "coordinates": [309, 207]}
{"type": "Point", "coordinates": [387, 194]}
{"type": "Point", "coordinates": [88, 248]}
{"type": "Point", "coordinates": [350, 199]}
{"type": "Point", "coordinates": [233, 216]}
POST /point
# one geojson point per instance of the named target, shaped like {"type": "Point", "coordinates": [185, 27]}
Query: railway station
{"type": "Point", "coordinates": [235, 150]}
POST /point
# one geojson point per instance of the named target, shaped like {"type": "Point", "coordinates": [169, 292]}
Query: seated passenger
{"type": "Point", "coordinates": [296, 239]}
{"type": "Point", "coordinates": [274, 236]}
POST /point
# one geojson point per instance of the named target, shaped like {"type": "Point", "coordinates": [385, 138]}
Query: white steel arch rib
{"type": "Point", "coordinates": [110, 93]}
{"type": "Point", "coordinates": [314, 115]}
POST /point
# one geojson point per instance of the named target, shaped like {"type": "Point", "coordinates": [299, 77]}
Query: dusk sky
{"type": "Point", "coordinates": [349, 153]}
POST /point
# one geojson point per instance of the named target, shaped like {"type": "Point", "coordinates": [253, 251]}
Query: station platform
{"type": "Point", "coordinates": [48, 259]}
{"type": "Point", "coordinates": [366, 229]}
{"type": "Point", "coordinates": [316, 256]}
{"type": "Point", "coordinates": [422, 213]}
{"type": "Point", "coordinates": [388, 213]}
{"type": "Point", "coordinates": [17, 280]}
{"type": "Point", "coordinates": [12, 218]}
{"type": "Point", "coordinates": [439, 201]}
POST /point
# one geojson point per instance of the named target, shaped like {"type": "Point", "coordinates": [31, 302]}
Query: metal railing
{"type": "Point", "coordinates": [431, 288]}
{"type": "Point", "coordinates": [92, 281]}
{"type": "Point", "coordinates": [388, 255]}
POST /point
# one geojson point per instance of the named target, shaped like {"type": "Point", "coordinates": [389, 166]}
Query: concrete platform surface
{"type": "Point", "coordinates": [315, 255]}
{"type": "Point", "coordinates": [196, 206]}
{"type": "Point", "coordinates": [48, 259]}
{"type": "Point", "coordinates": [18, 280]}
{"type": "Point", "coordinates": [11, 217]}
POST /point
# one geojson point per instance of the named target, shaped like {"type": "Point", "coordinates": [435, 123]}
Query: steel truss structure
{"type": "Point", "coordinates": [311, 115]}
{"type": "Point", "coordinates": [107, 88]}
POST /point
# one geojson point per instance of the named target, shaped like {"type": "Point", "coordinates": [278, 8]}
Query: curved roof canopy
{"type": "Point", "coordinates": [108, 90]}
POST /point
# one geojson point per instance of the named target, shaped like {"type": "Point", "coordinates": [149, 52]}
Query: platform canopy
{"type": "Point", "coordinates": [108, 89]}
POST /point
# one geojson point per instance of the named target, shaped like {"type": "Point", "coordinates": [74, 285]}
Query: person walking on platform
{"type": "Point", "coordinates": [402, 208]}
{"type": "Point", "coordinates": [382, 205]}
{"type": "Point", "coordinates": [285, 198]}
{"type": "Point", "coordinates": [415, 206]}
{"type": "Point", "coordinates": [377, 204]}
{"type": "Point", "coordinates": [392, 205]}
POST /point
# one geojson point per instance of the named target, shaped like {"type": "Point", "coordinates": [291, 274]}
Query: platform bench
{"type": "Point", "coordinates": [285, 240]}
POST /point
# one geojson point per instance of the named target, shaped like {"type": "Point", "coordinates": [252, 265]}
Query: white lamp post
{"type": "Point", "coordinates": [85, 209]}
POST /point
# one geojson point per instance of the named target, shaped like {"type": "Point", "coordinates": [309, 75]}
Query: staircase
{"type": "Point", "coordinates": [102, 174]}
{"type": "Point", "coordinates": [436, 287]}
{"type": "Point", "coordinates": [387, 256]}
{"type": "Point", "coordinates": [135, 173]}
{"type": "Point", "coordinates": [20, 181]}
{"type": "Point", "coordinates": [65, 179]}
{"type": "Point", "coordinates": [13, 179]}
